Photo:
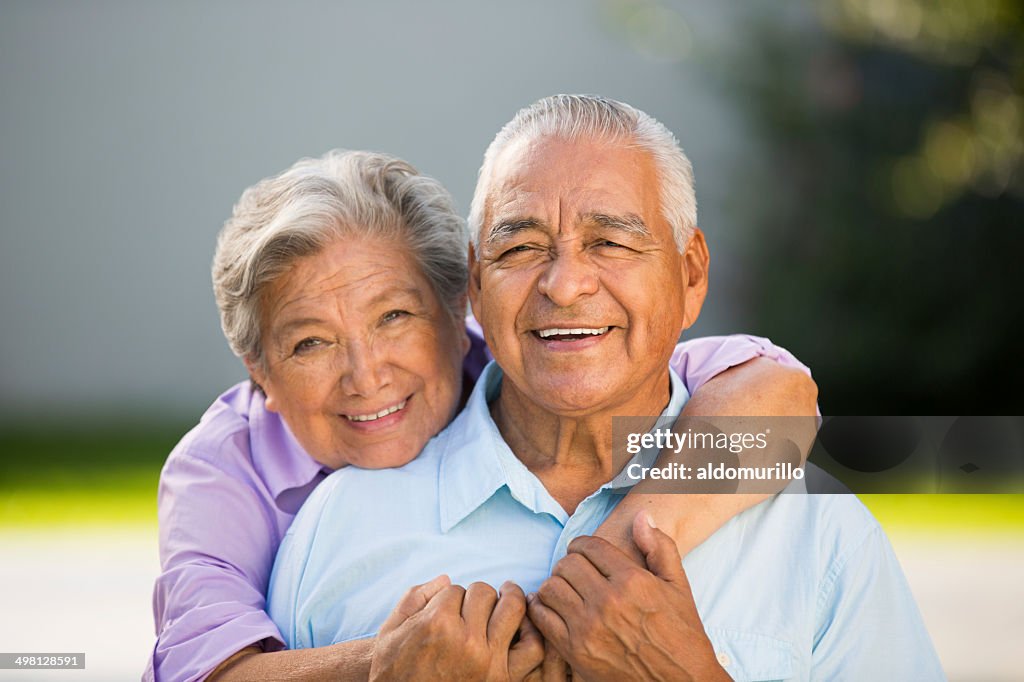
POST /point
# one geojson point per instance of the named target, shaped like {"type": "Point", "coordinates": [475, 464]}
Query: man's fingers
{"type": "Point", "coordinates": [413, 601]}
{"type": "Point", "coordinates": [659, 550]}
{"type": "Point", "coordinates": [477, 607]}
{"type": "Point", "coordinates": [553, 668]}
{"type": "Point", "coordinates": [606, 557]}
{"type": "Point", "coordinates": [558, 595]}
{"type": "Point", "coordinates": [529, 635]}
{"type": "Point", "coordinates": [582, 576]}
{"type": "Point", "coordinates": [507, 616]}
{"type": "Point", "coordinates": [550, 624]}
{"type": "Point", "coordinates": [448, 600]}
{"type": "Point", "coordinates": [527, 654]}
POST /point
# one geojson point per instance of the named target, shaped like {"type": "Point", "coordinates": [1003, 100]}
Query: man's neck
{"type": "Point", "coordinates": [572, 456]}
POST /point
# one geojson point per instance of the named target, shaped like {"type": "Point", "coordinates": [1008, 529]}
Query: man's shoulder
{"type": "Point", "coordinates": [813, 531]}
{"type": "Point", "coordinates": [829, 520]}
{"type": "Point", "coordinates": [819, 532]}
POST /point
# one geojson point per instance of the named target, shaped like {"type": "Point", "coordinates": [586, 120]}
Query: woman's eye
{"type": "Point", "coordinates": [394, 315]}
{"type": "Point", "coordinates": [306, 345]}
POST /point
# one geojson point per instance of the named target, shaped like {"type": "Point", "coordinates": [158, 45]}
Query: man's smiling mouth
{"type": "Point", "coordinates": [570, 333]}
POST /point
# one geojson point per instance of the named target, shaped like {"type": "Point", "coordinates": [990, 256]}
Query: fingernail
{"type": "Point", "coordinates": [650, 521]}
{"type": "Point", "coordinates": [532, 597]}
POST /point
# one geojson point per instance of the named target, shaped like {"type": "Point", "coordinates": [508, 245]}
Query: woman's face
{"type": "Point", "coordinates": [362, 360]}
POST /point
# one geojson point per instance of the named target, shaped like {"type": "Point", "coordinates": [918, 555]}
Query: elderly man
{"type": "Point", "coordinates": [585, 267]}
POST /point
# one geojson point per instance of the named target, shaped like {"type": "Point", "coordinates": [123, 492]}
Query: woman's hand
{"type": "Point", "coordinates": [758, 388]}
{"type": "Point", "coordinates": [443, 631]}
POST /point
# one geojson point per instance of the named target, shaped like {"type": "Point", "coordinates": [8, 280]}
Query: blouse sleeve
{"type": "Point", "coordinates": [698, 360]}
{"type": "Point", "coordinates": [217, 545]}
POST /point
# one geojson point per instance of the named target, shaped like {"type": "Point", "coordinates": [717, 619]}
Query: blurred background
{"type": "Point", "coordinates": [859, 175]}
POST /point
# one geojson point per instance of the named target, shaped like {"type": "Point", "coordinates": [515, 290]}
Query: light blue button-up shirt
{"type": "Point", "coordinates": [799, 587]}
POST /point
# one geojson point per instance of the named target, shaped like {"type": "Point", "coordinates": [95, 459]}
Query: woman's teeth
{"type": "Point", "coordinates": [373, 417]}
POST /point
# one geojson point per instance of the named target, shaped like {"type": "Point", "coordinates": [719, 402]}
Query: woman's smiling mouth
{"type": "Point", "coordinates": [380, 414]}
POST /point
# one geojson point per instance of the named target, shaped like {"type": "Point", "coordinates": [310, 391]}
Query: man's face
{"type": "Point", "coordinates": [577, 281]}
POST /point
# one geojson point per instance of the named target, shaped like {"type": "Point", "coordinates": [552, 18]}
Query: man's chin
{"type": "Point", "coordinates": [570, 393]}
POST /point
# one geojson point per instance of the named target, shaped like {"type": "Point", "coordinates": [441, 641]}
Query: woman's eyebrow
{"type": "Point", "coordinates": [507, 228]}
{"type": "Point", "coordinates": [291, 325]}
{"type": "Point", "coordinates": [396, 293]}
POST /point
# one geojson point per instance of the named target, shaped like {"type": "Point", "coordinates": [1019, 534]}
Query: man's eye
{"type": "Point", "coordinates": [392, 315]}
{"type": "Point", "coordinates": [306, 345]}
{"type": "Point", "coordinates": [522, 248]}
{"type": "Point", "coordinates": [608, 242]}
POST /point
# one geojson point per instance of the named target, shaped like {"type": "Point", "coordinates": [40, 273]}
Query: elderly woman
{"type": "Point", "coordinates": [341, 285]}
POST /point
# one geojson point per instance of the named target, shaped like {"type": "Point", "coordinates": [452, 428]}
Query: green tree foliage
{"type": "Point", "coordinates": [885, 207]}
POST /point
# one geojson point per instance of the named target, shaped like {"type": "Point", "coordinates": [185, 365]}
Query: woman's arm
{"type": "Point", "coordinates": [217, 545]}
{"type": "Point", "coordinates": [217, 542]}
{"type": "Point", "coordinates": [340, 662]}
{"type": "Point", "coordinates": [745, 376]}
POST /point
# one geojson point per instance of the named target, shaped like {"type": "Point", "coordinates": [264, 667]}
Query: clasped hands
{"type": "Point", "coordinates": [600, 616]}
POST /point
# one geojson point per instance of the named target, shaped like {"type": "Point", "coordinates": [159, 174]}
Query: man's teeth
{"type": "Point", "coordinates": [545, 333]}
{"type": "Point", "coordinates": [373, 417]}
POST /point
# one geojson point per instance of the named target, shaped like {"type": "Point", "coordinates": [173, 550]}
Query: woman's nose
{"type": "Point", "coordinates": [367, 371]}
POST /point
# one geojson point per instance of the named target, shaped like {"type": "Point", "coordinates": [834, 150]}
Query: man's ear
{"type": "Point", "coordinates": [474, 282]}
{"type": "Point", "coordinates": [696, 261]}
{"type": "Point", "coordinates": [258, 373]}
{"type": "Point", "coordinates": [464, 342]}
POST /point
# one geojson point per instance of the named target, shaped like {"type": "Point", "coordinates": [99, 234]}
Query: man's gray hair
{"type": "Point", "coordinates": [574, 117]}
{"type": "Point", "coordinates": [343, 193]}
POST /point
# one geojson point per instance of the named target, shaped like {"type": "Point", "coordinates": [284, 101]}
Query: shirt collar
{"type": "Point", "coordinates": [476, 462]}
{"type": "Point", "coordinates": [278, 458]}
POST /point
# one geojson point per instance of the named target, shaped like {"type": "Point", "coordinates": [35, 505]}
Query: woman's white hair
{"type": "Point", "coordinates": [343, 193]}
{"type": "Point", "coordinates": [591, 117]}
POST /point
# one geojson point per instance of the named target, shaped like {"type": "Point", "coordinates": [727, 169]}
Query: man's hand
{"type": "Point", "coordinates": [613, 620]}
{"type": "Point", "coordinates": [442, 631]}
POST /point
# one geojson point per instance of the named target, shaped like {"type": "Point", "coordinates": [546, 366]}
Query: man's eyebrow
{"type": "Point", "coordinates": [629, 223]}
{"type": "Point", "coordinates": [507, 228]}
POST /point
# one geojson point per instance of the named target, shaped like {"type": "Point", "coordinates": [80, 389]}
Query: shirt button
{"type": "Point", "coordinates": [723, 659]}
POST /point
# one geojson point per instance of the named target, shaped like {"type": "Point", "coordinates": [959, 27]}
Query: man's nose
{"type": "Point", "coordinates": [366, 372]}
{"type": "Point", "coordinates": [568, 277]}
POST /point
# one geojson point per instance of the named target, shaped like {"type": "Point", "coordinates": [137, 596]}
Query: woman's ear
{"type": "Point", "coordinates": [258, 373]}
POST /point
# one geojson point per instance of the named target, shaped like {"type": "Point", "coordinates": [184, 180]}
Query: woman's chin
{"type": "Point", "coordinates": [393, 457]}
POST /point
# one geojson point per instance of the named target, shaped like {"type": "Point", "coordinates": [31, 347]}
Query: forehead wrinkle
{"type": "Point", "coordinates": [313, 293]}
{"type": "Point", "coordinates": [320, 286]}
